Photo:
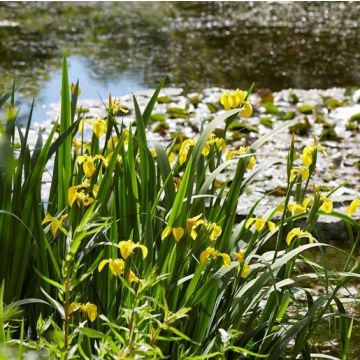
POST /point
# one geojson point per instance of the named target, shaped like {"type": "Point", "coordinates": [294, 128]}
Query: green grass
{"type": "Point", "coordinates": [238, 302]}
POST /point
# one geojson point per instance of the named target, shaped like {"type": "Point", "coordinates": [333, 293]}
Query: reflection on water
{"type": "Point", "coordinates": [92, 86]}
{"type": "Point", "coordinates": [133, 44]}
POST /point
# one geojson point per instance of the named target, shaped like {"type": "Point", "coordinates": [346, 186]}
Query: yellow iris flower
{"type": "Point", "coordinates": [236, 99]}
{"type": "Point", "coordinates": [307, 202]}
{"type": "Point", "coordinates": [213, 141]}
{"type": "Point", "coordinates": [355, 204]}
{"type": "Point", "coordinates": [192, 224]}
{"type": "Point", "coordinates": [230, 154]}
{"type": "Point", "coordinates": [247, 110]}
{"type": "Point", "coordinates": [177, 232]}
{"type": "Point", "coordinates": [116, 266]}
{"type": "Point", "coordinates": [79, 197]}
{"type": "Point", "coordinates": [298, 233]}
{"type": "Point", "coordinates": [307, 155]}
{"type": "Point", "coordinates": [240, 256]}
{"type": "Point", "coordinates": [88, 308]}
{"type": "Point", "coordinates": [206, 149]}
{"type": "Point", "coordinates": [243, 150]}
{"type": "Point", "coordinates": [260, 223]}
{"type": "Point", "coordinates": [307, 159]}
{"type": "Point", "coordinates": [215, 229]}
{"type": "Point", "coordinates": [245, 270]}
{"type": "Point", "coordinates": [88, 163]}
{"type": "Point", "coordinates": [127, 249]}
{"type": "Point", "coordinates": [327, 205]}
{"type": "Point", "coordinates": [251, 163]}
{"type": "Point", "coordinates": [112, 142]}
{"type": "Point", "coordinates": [77, 193]}
{"type": "Point", "coordinates": [184, 150]}
{"type": "Point", "coordinates": [166, 232]}
{"type": "Point", "coordinates": [74, 306]}
{"type": "Point", "coordinates": [99, 126]}
{"type": "Point", "coordinates": [133, 278]}
{"type": "Point", "coordinates": [73, 89]}
{"type": "Point", "coordinates": [296, 209]}
{"type": "Point", "coordinates": [115, 106]}
{"type": "Point", "coordinates": [76, 144]}
{"type": "Point", "coordinates": [211, 253]}
{"type": "Point", "coordinates": [55, 223]}
{"type": "Point", "coordinates": [303, 171]}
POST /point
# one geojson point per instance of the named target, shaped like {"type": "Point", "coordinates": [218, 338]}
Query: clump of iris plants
{"type": "Point", "coordinates": [137, 252]}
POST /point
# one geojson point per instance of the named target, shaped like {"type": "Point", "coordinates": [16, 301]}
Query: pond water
{"type": "Point", "coordinates": [128, 46]}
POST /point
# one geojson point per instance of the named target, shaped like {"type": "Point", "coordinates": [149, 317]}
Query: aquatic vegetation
{"type": "Point", "coordinates": [305, 109]}
{"type": "Point", "coordinates": [137, 251]}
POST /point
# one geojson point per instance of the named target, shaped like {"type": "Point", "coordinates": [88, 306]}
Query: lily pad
{"type": "Point", "coordinates": [266, 121]}
{"type": "Point", "coordinates": [285, 116]}
{"type": "Point", "coordinates": [162, 126]}
{"type": "Point", "coordinates": [271, 108]}
{"type": "Point", "coordinates": [176, 112]}
{"type": "Point", "coordinates": [306, 109]}
{"type": "Point", "coordinates": [329, 133]}
{"type": "Point", "coordinates": [352, 126]}
{"type": "Point", "coordinates": [293, 99]}
{"type": "Point", "coordinates": [302, 128]}
{"type": "Point", "coordinates": [355, 117]}
{"type": "Point", "coordinates": [157, 117]}
{"type": "Point", "coordinates": [242, 127]}
{"type": "Point", "coordinates": [163, 99]}
{"type": "Point", "coordinates": [195, 100]}
{"type": "Point", "coordinates": [332, 103]}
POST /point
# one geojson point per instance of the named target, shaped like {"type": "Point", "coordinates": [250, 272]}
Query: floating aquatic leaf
{"type": "Point", "coordinates": [305, 109]}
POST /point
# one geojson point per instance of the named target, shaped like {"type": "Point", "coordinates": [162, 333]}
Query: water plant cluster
{"type": "Point", "coordinates": [137, 253]}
